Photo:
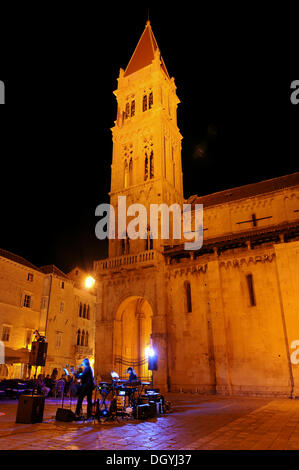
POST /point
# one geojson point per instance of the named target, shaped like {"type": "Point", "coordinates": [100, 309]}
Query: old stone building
{"type": "Point", "coordinates": [44, 299]}
{"type": "Point", "coordinates": [223, 318]}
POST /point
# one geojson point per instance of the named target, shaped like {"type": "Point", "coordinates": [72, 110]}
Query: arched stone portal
{"type": "Point", "coordinates": [131, 336]}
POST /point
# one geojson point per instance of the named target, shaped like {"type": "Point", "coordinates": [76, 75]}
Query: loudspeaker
{"type": "Point", "coordinates": [153, 362]}
{"type": "Point", "coordinates": [63, 414]}
{"type": "Point", "coordinates": [143, 411]}
{"type": "Point", "coordinates": [30, 409]}
{"type": "Point", "coordinates": [38, 353]}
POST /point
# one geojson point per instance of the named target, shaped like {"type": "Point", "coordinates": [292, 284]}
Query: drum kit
{"type": "Point", "coordinates": [125, 400]}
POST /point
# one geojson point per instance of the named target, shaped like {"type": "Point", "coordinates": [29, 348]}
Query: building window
{"type": "Point", "coordinates": [145, 168]}
{"type": "Point", "coordinates": [126, 175]}
{"type": "Point", "coordinates": [62, 284]}
{"type": "Point", "coordinates": [127, 114]}
{"type": "Point", "coordinates": [78, 337]}
{"type": "Point", "coordinates": [80, 310]}
{"type": "Point", "coordinates": [152, 165]}
{"type": "Point", "coordinates": [131, 172]}
{"type": "Point", "coordinates": [58, 339]}
{"type": "Point", "coordinates": [61, 308]}
{"type": "Point", "coordinates": [133, 108]}
{"type": "Point", "coordinates": [251, 293]}
{"type": "Point", "coordinates": [88, 313]}
{"type": "Point", "coordinates": [86, 338]}
{"type": "Point", "coordinates": [27, 301]}
{"type": "Point", "coordinates": [150, 100]}
{"type": "Point", "coordinates": [144, 103]}
{"type": "Point", "coordinates": [84, 311]}
{"type": "Point", "coordinates": [125, 245]}
{"type": "Point", "coordinates": [187, 286]}
{"type": "Point", "coordinates": [30, 277]}
{"type": "Point", "coordinates": [83, 338]}
{"type": "Point", "coordinates": [6, 330]}
{"type": "Point", "coordinates": [149, 242]}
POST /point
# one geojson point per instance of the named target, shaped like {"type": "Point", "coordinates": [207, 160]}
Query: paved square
{"type": "Point", "coordinates": [197, 422]}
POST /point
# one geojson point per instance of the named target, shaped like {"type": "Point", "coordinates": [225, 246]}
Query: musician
{"type": "Point", "coordinates": [86, 388]}
{"type": "Point", "coordinates": [133, 376]}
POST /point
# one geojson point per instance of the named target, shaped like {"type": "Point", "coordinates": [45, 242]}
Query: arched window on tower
{"type": "Point", "coordinates": [127, 111]}
{"type": "Point", "coordinates": [188, 298]}
{"type": "Point", "coordinates": [150, 100]}
{"type": "Point", "coordinates": [152, 165]}
{"type": "Point", "coordinates": [146, 167]}
{"type": "Point", "coordinates": [88, 312]}
{"type": "Point", "coordinates": [126, 175]}
{"type": "Point", "coordinates": [133, 108]}
{"type": "Point", "coordinates": [149, 242]}
{"type": "Point", "coordinates": [125, 245]}
{"type": "Point", "coordinates": [144, 103]}
{"type": "Point", "coordinates": [86, 338]}
{"type": "Point", "coordinates": [80, 310]}
{"type": "Point", "coordinates": [83, 338]}
{"type": "Point", "coordinates": [250, 284]}
{"type": "Point", "coordinates": [131, 172]}
{"type": "Point", "coordinates": [78, 338]}
{"type": "Point", "coordinates": [84, 311]}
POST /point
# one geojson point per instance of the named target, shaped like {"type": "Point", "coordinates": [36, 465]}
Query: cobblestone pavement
{"type": "Point", "coordinates": [197, 422]}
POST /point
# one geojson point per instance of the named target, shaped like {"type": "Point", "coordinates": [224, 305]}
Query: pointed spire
{"type": "Point", "coordinates": [144, 53]}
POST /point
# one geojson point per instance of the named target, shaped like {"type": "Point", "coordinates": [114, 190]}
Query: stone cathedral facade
{"type": "Point", "coordinates": [225, 318]}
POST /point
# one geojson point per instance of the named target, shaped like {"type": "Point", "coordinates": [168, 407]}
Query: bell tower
{"type": "Point", "coordinates": [146, 163]}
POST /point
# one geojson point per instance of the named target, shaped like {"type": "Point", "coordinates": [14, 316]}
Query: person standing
{"type": "Point", "coordinates": [86, 388]}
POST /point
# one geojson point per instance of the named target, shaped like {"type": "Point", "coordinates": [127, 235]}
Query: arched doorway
{"type": "Point", "coordinates": [132, 336]}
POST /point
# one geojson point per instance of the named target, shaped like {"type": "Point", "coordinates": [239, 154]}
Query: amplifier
{"type": "Point", "coordinates": [153, 409]}
{"type": "Point", "coordinates": [142, 411]}
{"type": "Point", "coordinates": [30, 409]}
{"type": "Point", "coordinates": [63, 414]}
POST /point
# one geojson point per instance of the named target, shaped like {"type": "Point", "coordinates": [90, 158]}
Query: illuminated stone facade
{"type": "Point", "coordinates": [222, 318]}
{"type": "Point", "coordinates": [47, 300]}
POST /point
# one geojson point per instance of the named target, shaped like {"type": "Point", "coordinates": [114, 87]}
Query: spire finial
{"type": "Point", "coordinates": [148, 17]}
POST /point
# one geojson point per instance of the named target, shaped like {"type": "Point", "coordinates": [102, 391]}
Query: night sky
{"type": "Point", "coordinates": [232, 66]}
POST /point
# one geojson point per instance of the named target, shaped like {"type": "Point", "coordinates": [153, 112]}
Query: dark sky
{"type": "Point", "coordinates": [233, 68]}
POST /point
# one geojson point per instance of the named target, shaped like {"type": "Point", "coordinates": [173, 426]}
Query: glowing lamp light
{"type": "Point", "coordinates": [149, 352]}
{"type": "Point", "coordinates": [89, 282]}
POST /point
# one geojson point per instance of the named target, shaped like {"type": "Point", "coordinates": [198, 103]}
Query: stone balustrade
{"type": "Point", "coordinates": [128, 261]}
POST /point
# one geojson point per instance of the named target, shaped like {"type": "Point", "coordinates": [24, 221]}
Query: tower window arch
{"type": "Point", "coordinates": [131, 172]}
{"type": "Point", "coordinates": [133, 108]}
{"type": "Point", "coordinates": [145, 168]}
{"type": "Point", "coordinates": [151, 164]}
{"type": "Point", "coordinates": [144, 103]}
{"type": "Point", "coordinates": [125, 245]}
{"type": "Point", "coordinates": [80, 310]}
{"type": "Point", "coordinates": [126, 174]}
{"type": "Point", "coordinates": [78, 338]}
{"type": "Point", "coordinates": [187, 287]}
{"type": "Point", "coordinates": [150, 100]}
{"type": "Point", "coordinates": [83, 338]}
{"type": "Point", "coordinates": [149, 242]}
{"type": "Point", "coordinates": [86, 338]}
{"type": "Point", "coordinates": [251, 292]}
{"type": "Point", "coordinates": [127, 113]}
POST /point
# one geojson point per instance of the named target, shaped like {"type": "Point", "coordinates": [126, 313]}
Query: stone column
{"type": "Point", "coordinates": [287, 265]}
{"type": "Point", "coordinates": [223, 380]}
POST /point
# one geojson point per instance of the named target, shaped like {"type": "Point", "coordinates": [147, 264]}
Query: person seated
{"type": "Point", "coordinates": [132, 377]}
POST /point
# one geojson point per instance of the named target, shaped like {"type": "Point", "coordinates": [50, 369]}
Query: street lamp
{"type": "Point", "coordinates": [89, 282]}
